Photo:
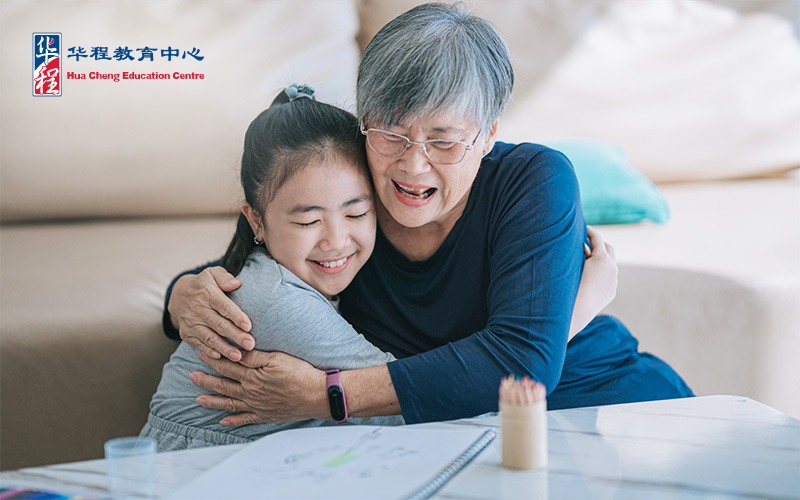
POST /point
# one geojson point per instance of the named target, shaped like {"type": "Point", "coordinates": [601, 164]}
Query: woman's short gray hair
{"type": "Point", "coordinates": [435, 57]}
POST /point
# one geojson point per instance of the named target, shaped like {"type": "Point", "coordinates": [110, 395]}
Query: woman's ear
{"type": "Point", "coordinates": [254, 219]}
{"type": "Point", "coordinates": [492, 138]}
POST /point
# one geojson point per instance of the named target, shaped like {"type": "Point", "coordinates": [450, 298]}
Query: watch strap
{"type": "Point", "coordinates": [337, 403]}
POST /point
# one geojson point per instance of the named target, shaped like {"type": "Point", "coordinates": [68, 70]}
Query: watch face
{"type": "Point", "coordinates": [336, 403]}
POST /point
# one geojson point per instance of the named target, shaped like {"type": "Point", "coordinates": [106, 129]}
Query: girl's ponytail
{"type": "Point", "coordinates": [240, 247]}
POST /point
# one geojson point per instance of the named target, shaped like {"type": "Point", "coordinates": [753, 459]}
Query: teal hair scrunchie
{"type": "Point", "coordinates": [295, 91]}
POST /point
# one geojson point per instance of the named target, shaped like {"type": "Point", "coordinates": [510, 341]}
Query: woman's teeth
{"type": "Point", "coordinates": [335, 263]}
{"type": "Point", "coordinates": [419, 193]}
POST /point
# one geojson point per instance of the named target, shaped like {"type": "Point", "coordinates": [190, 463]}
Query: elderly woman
{"type": "Point", "coordinates": [477, 262]}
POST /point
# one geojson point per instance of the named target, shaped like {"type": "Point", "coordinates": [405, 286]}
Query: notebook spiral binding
{"type": "Point", "coordinates": [458, 463]}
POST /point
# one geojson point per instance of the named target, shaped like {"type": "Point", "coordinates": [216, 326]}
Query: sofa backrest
{"type": "Point", "coordinates": [692, 89]}
{"type": "Point", "coordinates": [156, 147]}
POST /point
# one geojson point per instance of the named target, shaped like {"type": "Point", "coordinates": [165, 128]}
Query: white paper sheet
{"type": "Point", "coordinates": [348, 462]}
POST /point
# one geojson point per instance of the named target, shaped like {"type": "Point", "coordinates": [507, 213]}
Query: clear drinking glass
{"type": "Point", "coordinates": [131, 466]}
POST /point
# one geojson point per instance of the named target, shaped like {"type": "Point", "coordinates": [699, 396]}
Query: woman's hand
{"type": "Point", "coordinates": [203, 314]}
{"type": "Point", "coordinates": [264, 387]}
{"type": "Point", "coordinates": [598, 283]}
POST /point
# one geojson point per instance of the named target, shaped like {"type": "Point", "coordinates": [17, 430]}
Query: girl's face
{"type": "Point", "coordinates": [321, 224]}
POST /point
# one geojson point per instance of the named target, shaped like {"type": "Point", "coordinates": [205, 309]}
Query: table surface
{"type": "Point", "coordinates": [699, 448]}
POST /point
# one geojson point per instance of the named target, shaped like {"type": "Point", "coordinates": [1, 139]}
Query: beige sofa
{"type": "Point", "coordinates": [110, 190]}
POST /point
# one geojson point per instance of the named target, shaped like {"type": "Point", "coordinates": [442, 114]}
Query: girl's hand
{"type": "Point", "coordinates": [598, 285]}
{"type": "Point", "coordinates": [203, 314]}
{"type": "Point", "coordinates": [264, 387]}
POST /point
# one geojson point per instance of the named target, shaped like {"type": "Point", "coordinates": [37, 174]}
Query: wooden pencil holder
{"type": "Point", "coordinates": [524, 435]}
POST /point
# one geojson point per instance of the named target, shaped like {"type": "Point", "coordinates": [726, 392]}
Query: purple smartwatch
{"type": "Point", "coordinates": [336, 400]}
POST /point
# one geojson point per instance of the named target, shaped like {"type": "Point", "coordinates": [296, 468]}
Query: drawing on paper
{"type": "Point", "coordinates": [364, 458]}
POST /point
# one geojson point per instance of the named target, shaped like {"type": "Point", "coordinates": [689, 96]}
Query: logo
{"type": "Point", "coordinates": [47, 64]}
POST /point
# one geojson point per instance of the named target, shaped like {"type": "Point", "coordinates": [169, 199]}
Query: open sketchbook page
{"type": "Point", "coordinates": [348, 462]}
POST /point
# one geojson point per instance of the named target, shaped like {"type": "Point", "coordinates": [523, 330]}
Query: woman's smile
{"type": "Point", "coordinates": [413, 195]}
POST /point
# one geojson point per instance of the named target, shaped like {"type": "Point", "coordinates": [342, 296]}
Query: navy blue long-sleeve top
{"type": "Point", "coordinates": [495, 299]}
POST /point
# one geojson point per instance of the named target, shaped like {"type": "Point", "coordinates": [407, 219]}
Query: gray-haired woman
{"type": "Point", "coordinates": [476, 266]}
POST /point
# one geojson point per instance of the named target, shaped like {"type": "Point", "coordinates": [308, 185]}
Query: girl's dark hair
{"type": "Point", "coordinates": [281, 141]}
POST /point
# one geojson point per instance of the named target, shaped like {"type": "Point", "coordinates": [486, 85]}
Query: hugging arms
{"type": "Point", "coordinates": [280, 390]}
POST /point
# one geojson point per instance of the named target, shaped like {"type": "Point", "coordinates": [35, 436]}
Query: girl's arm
{"type": "Point", "coordinates": [598, 282]}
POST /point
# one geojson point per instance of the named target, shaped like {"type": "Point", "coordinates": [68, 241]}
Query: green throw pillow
{"type": "Point", "coordinates": [612, 192]}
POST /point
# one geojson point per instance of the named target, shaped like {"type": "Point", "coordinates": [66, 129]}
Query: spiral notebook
{"type": "Point", "coordinates": [348, 462]}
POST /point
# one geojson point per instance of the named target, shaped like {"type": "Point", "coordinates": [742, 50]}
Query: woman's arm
{"type": "Point", "coordinates": [276, 387]}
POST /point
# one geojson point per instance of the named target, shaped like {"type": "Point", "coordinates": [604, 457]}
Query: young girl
{"type": "Point", "coordinates": [306, 228]}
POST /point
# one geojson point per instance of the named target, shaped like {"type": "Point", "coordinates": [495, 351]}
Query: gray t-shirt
{"type": "Point", "coordinates": [287, 315]}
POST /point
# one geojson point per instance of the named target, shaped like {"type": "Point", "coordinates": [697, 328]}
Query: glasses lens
{"type": "Point", "coordinates": [445, 152]}
{"type": "Point", "coordinates": [386, 143]}
{"type": "Point", "coordinates": [438, 151]}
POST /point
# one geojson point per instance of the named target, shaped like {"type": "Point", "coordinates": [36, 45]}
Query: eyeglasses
{"type": "Point", "coordinates": [439, 151]}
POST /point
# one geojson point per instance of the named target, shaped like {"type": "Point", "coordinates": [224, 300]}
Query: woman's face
{"type": "Point", "coordinates": [414, 190]}
{"type": "Point", "coordinates": [321, 225]}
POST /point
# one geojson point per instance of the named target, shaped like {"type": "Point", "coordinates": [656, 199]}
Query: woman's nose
{"type": "Point", "coordinates": [414, 160]}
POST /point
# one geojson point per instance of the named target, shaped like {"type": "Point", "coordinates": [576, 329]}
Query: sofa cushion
{"type": "Point", "coordinates": [156, 147]}
{"type": "Point", "coordinates": [82, 346]}
{"type": "Point", "coordinates": [612, 192]}
{"type": "Point", "coordinates": [716, 290]}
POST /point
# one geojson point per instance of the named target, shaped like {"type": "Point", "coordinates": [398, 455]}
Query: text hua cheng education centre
{"type": "Point", "coordinates": [129, 75]}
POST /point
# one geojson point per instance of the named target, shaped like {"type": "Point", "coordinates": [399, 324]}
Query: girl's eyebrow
{"type": "Point", "coordinates": [301, 209]}
{"type": "Point", "coordinates": [358, 199]}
